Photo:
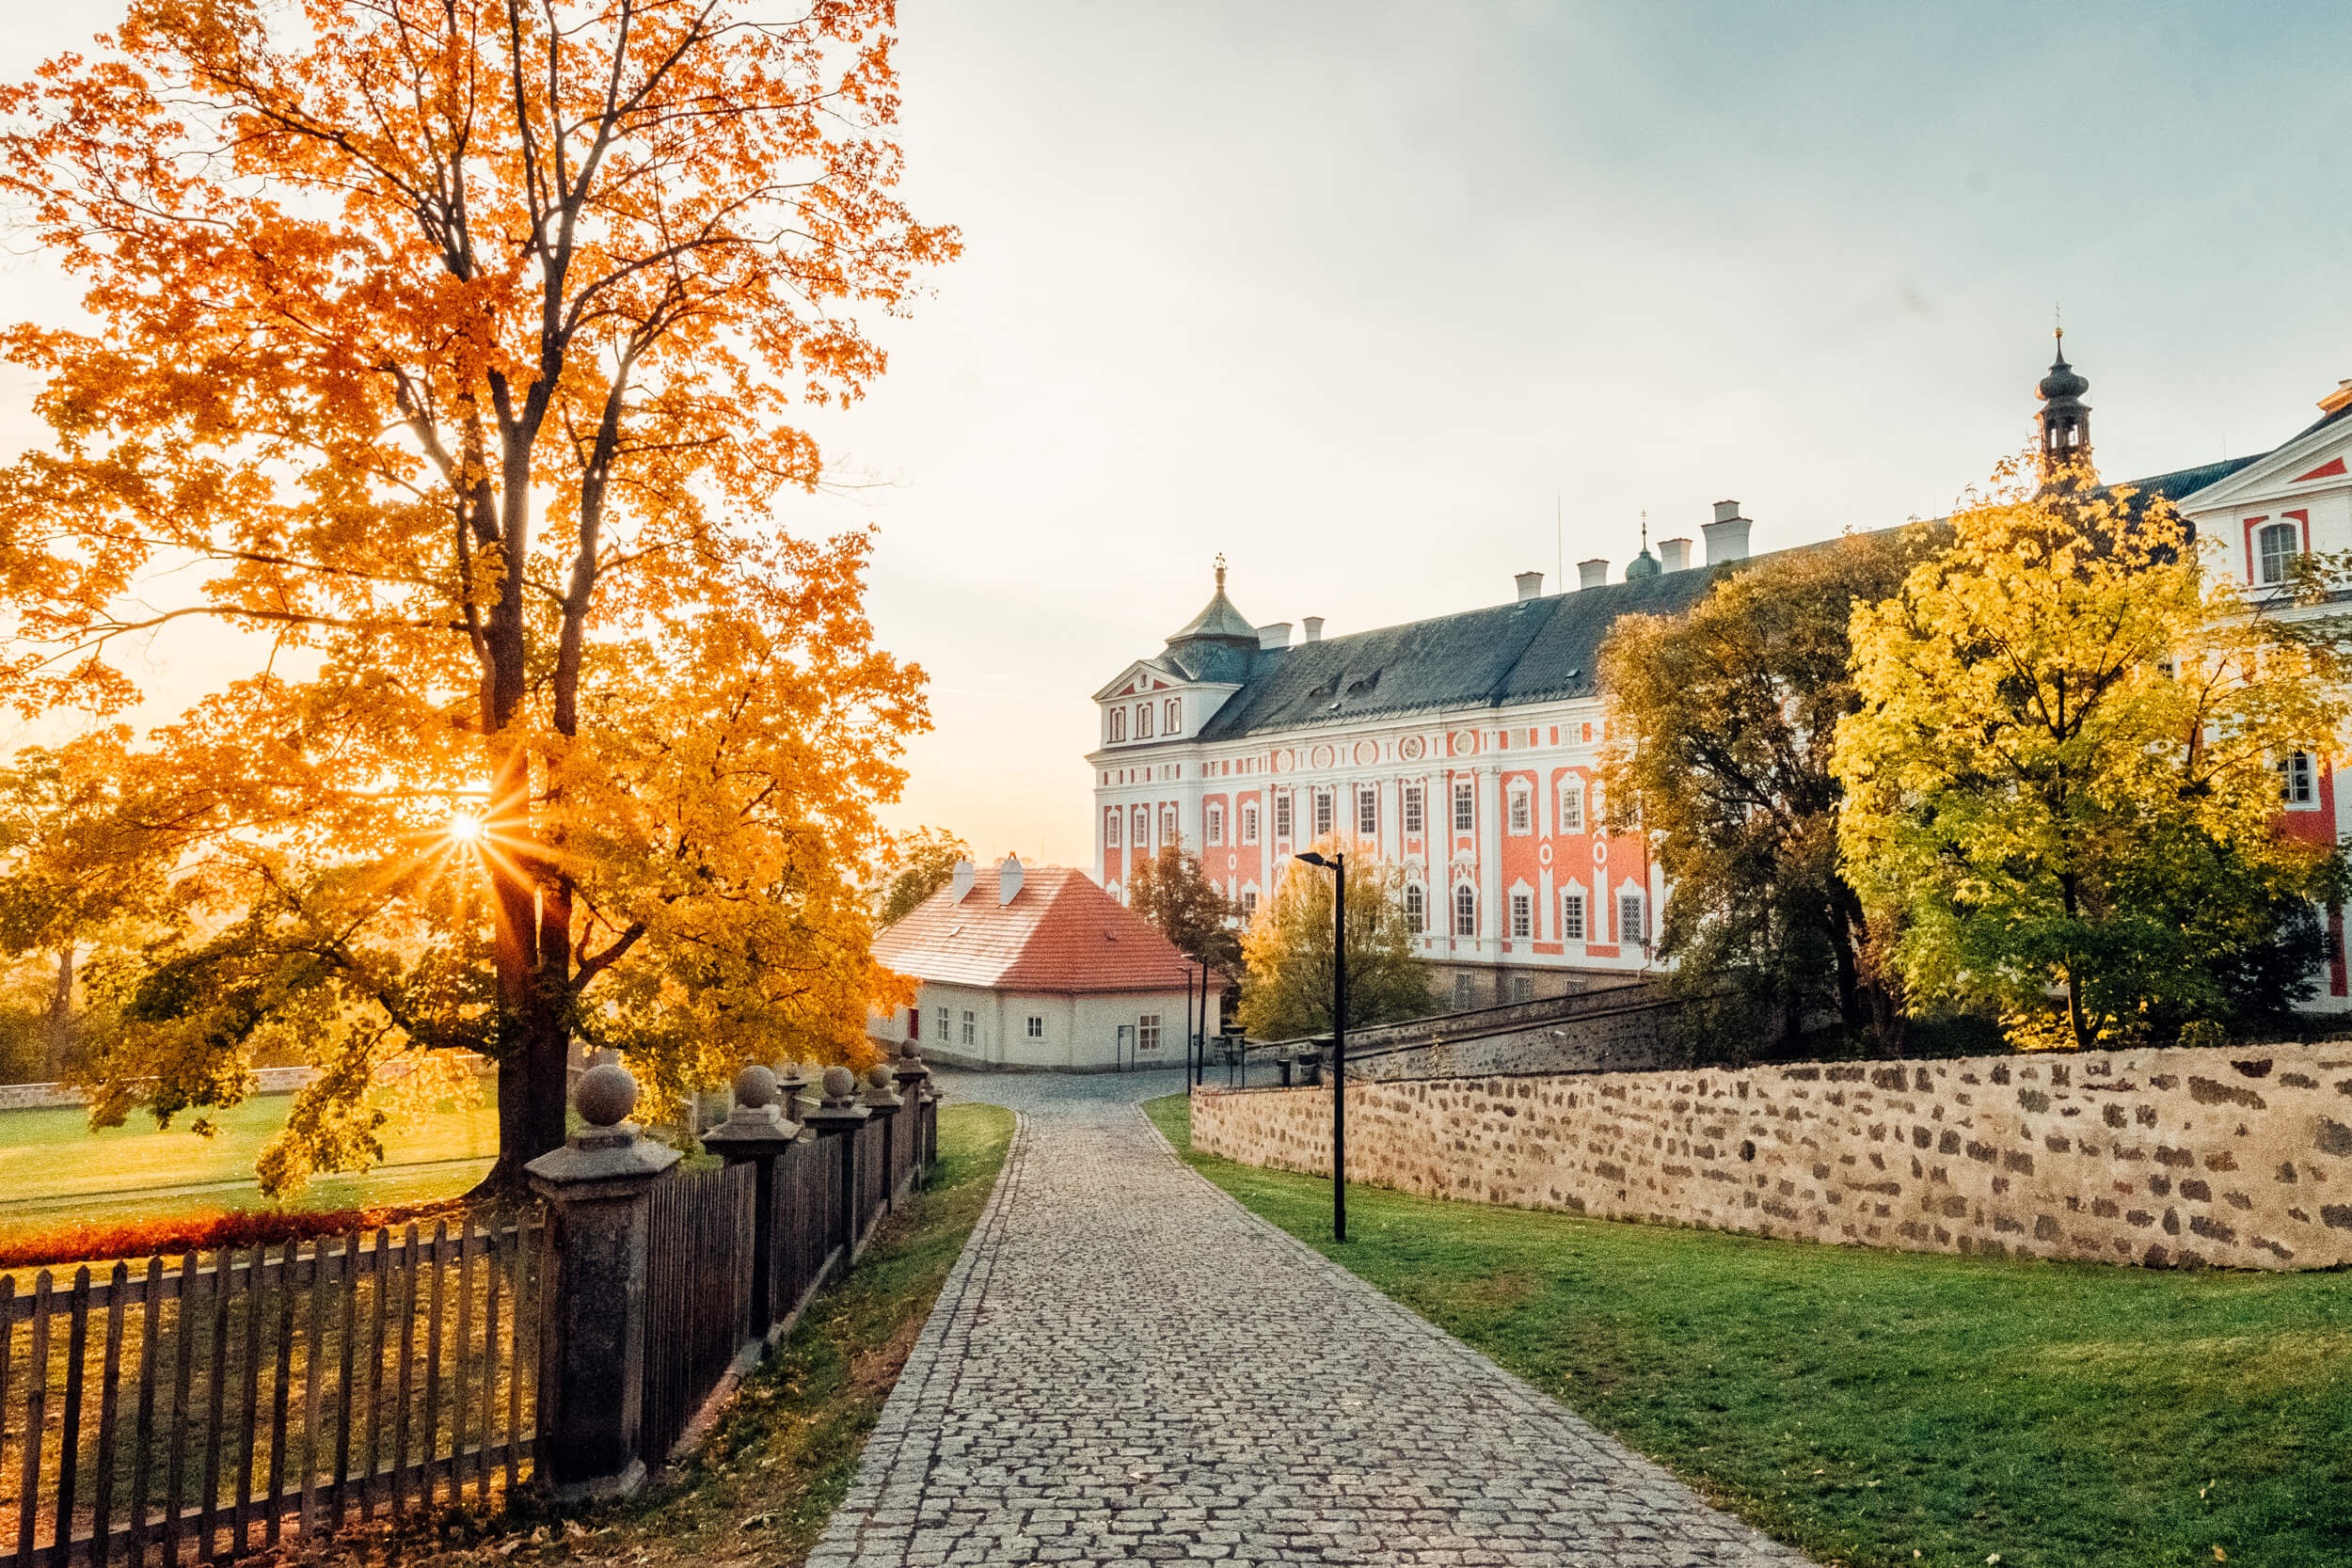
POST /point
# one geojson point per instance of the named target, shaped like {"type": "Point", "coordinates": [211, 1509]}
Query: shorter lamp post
{"type": "Point", "coordinates": [1337, 864]}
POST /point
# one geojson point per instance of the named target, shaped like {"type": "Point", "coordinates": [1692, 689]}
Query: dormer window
{"type": "Point", "coordinates": [1143, 721]}
{"type": "Point", "coordinates": [1172, 718]}
{"type": "Point", "coordinates": [1119, 724]}
{"type": "Point", "coordinates": [2276, 548]}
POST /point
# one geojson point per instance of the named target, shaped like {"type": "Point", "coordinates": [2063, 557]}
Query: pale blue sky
{"type": "Point", "coordinates": [1349, 291]}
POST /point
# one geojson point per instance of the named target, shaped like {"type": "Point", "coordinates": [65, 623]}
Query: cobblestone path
{"type": "Point", "coordinates": [1126, 1365]}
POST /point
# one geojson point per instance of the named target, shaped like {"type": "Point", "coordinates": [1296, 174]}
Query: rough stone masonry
{"type": "Point", "coordinates": [2238, 1157]}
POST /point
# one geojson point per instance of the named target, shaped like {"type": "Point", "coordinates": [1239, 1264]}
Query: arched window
{"type": "Point", "coordinates": [1416, 909]}
{"type": "Point", "coordinates": [1173, 716]}
{"type": "Point", "coordinates": [1119, 723]}
{"type": "Point", "coordinates": [1464, 911]}
{"type": "Point", "coordinates": [1110, 829]}
{"type": "Point", "coordinates": [2276, 548]}
{"type": "Point", "coordinates": [1143, 721]}
{"type": "Point", "coordinates": [1143, 825]}
{"type": "Point", "coordinates": [1168, 824]}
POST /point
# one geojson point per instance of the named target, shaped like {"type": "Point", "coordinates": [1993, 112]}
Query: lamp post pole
{"type": "Point", "coordinates": [1337, 864]}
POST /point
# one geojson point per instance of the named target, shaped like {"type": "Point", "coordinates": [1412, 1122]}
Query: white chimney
{"type": "Point", "coordinates": [1592, 574]}
{"type": "Point", "coordinates": [1009, 880]}
{"type": "Point", "coordinates": [1314, 627]}
{"type": "Point", "coordinates": [1278, 635]}
{"type": "Point", "coordinates": [964, 879]}
{"type": "Point", "coordinates": [1674, 554]}
{"type": "Point", "coordinates": [1727, 535]}
{"type": "Point", "coordinates": [1531, 585]}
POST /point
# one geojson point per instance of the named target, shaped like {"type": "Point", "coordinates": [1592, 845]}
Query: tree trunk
{"type": "Point", "coordinates": [61, 1020]}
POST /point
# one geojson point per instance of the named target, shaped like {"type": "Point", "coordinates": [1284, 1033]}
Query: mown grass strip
{"type": "Point", "coordinates": [1888, 1408]}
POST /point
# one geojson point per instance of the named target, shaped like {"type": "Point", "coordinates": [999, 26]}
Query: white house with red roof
{"type": "Point", "coordinates": [1017, 967]}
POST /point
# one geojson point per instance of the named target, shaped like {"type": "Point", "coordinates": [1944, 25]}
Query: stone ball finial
{"type": "Point", "coordinates": [906, 1051]}
{"type": "Point", "coordinates": [606, 1095]}
{"type": "Point", "coordinates": [878, 1077]}
{"type": "Point", "coordinates": [840, 1083]}
{"type": "Point", "coordinates": [754, 1087]}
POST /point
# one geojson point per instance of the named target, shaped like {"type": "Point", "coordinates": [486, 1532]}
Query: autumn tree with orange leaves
{"type": "Point", "coordinates": [457, 345]}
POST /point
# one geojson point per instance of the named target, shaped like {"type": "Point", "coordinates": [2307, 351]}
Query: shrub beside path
{"type": "Point", "coordinates": [1125, 1364]}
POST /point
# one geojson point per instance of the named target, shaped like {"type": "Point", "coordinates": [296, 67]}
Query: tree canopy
{"type": "Point", "coordinates": [1286, 992]}
{"type": "Point", "coordinates": [1171, 891]}
{"type": "Point", "coordinates": [923, 862]}
{"type": "Point", "coordinates": [455, 348]}
{"type": "Point", "coordinates": [1721, 723]}
{"type": "Point", "coordinates": [2063, 777]}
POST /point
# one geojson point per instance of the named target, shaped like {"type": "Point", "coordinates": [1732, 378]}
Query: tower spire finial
{"type": "Point", "coordinates": [1220, 571]}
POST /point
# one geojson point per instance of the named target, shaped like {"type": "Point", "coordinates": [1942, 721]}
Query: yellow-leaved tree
{"type": "Point", "coordinates": [455, 346]}
{"type": "Point", "coordinates": [2063, 783]}
{"type": "Point", "coordinates": [1288, 955]}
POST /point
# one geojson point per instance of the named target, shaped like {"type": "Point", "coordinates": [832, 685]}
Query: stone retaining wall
{"type": "Point", "coordinates": [2239, 1157]}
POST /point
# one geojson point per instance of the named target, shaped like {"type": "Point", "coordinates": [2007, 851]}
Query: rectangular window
{"type": "Point", "coordinates": [1462, 996]}
{"type": "Point", "coordinates": [2298, 786]}
{"type": "Point", "coordinates": [1036, 1027]}
{"type": "Point", "coordinates": [1522, 916]}
{"type": "Point", "coordinates": [1465, 807]}
{"type": "Point", "coordinates": [1250, 824]}
{"type": "Point", "coordinates": [1323, 813]}
{"type": "Point", "coordinates": [1629, 927]}
{"type": "Point", "coordinates": [1523, 812]}
{"type": "Point", "coordinates": [1412, 808]}
{"type": "Point", "coordinates": [1571, 807]}
{"type": "Point", "coordinates": [1250, 904]}
{"type": "Point", "coordinates": [1282, 814]}
{"type": "Point", "coordinates": [1522, 988]}
{"type": "Point", "coordinates": [1110, 829]}
{"type": "Point", "coordinates": [971, 1028]}
{"type": "Point", "coordinates": [1168, 824]}
{"type": "Point", "coordinates": [1216, 825]}
{"type": "Point", "coordinates": [943, 1036]}
{"type": "Point", "coordinates": [1148, 1032]}
{"type": "Point", "coordinates": [1572, 917]}
{"type": "Point", "coordinates": [1367, 812]}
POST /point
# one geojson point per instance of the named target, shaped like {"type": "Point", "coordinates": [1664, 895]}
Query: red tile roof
{"type": "Point", "coordinates": [1060, 934]}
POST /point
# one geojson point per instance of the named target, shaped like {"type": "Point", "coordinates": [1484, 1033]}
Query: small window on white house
{"type": "Point", "coordinates": [1522, 916]}
{"type": "Point", "coordinates": [1572, 806]}
{"type": "Point", "coordinates": [2298, 785]}
{"type": "Point", "coordinates": [1172, 718]}
{"type": "Point", "coordinates": [1250, 824]}
{"type": "Point", "coordinates": [1215, 829]}
{"type": "Point", "coordinates": [943, 1036]}
{"type": "Point", "coordinates": [1036, 1027]}
{"type": "Point", "coordinates": [1367, 810]}
{"type": "Point", "coordinates": [1282, 814]}
{"type": "Point", "coordinates": [1631, 927]}
{"type": "Point", "coordinates": [1464, 911]}
{"type": "Point", "coordinates": [1572, 917]}
{"type": "Point", "coordinates": [1412, 808]}
{"type": "Point", "coordinates": [1143, 721]}
{"type": "Point", "coordinates": [1148, 1032]}
{"type": "Point", "coordinates": [1323, 813]}
{"type": "Point", "coordinates": [1523, 812]}
{"type": "Point", "coordinates": [1110, 827]}
{"type": "Point", "coordinates": [2277, 546]}
{"type": "Point", "coordinates": [971, 1028]}
{"type": "Point", "coordinates": [1416, 909]}
{"type": "Point", "coordinates": [1465, 807]}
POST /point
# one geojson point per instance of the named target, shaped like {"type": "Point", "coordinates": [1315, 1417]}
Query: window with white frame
{"type": "Point", "coordinates": [1522, 916]}
{"type": "Point", "coordinates": [2276, 548]}
{"type": "Point", "coordinates": [1465, 806]}
{"type": "Point", "coordinates": [1110, 827]}
{"type": "Point", "coordinates": [1036, 1027]}
{"type": "Point", "coordinates": [971, 1028]}
{"type": "Point", "coordinates": [1249, 903]}
{"type": "Point", "coordinates": [1416, 909]}
{"type": "Point", "coordinates": [1250, 824]}
{"type": "Point", "coordinates": [1148, 1032]}
{"type": "Point", "coordinates": [1214, 831]}
{"type": "Point", "coordinates": [1464, 911]}
{"type": "Point", "coordinates": [1412, 808]}
{"type": "Point", "coordinates": [1119, 723]}
{"type": "Point", "coordinates": [1283, 814]}
{"type": "Point", "coordinates": [1463, 998]}
{"type": "Point", "coordinates": [1522, 813]}
{"type": "Point", "coordinates": [1143, 825]}
{"type": "Point", "coordinates": [1143, 721]}
{"type": "Point", "coordinates": [1323, 813]}
{"type": "Point", "coordinates": [1572, 917]}
{"type": "Point", "coordinates": [942, 1031]}
{"type": "Point", "coordinates": [1172, 716]}
{"type": "Point", "coordinates": [1572, 806]}
{"type": "Point", "coordinates": [1168, 824]}
{"type": "Point", "coordinates": [2298, 783]}
{"type": "Point", "coordinates": [1367, 810]}
{"type": "Point", "coordinates": [1630, 925]}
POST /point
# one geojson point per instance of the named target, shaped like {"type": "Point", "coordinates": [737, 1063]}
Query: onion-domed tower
{"type": "Point", "coordinates": [2065, 418]}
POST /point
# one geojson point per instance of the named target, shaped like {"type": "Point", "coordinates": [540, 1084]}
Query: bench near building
{"type": "Point", "coordinates": [1040, 969]}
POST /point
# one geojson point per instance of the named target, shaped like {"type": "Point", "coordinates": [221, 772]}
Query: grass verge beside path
{"type": "Point", "coordinates": [758, 1493]}
{"type": "Point", "coordinates": [1890, 1408]}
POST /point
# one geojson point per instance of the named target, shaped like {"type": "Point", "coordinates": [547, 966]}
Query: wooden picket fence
{"type": "Point", "coordinates": [196, 1409]}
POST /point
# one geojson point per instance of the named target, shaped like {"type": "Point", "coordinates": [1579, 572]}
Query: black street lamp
{"type": "Point", "coordinates": [1337, 864]}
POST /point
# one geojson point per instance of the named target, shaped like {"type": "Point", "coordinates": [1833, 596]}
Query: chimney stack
{"type": "Point", "coordinates": [1314, 627]}
{"type": "Point", "coordinates": [1592, 574]}
{"type": "Point", "coordinates": [1275, 634]}
{"type": "Point", "coordinates": [1531, 585]}
{"type": "Point", "coordinates": [1727, 535]}
{"type": "Point", "coordinates": [1009, 880]}
{"type": "Point", "coordinates": [964, 879]}
{"type": "Point", "coordinates": [1674, 554]}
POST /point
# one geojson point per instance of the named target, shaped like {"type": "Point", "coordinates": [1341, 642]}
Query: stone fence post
{"type": "Point", "coordinates": [756, 1133]}
{"type": "Point", "coordinates": [590, 1411]}
{"type": "Point", "coordinates": [882, 1099]}
{"type": "Point", "coordinates": [836, 1120]}
{"type": "Point", "coordinates": [915, 1089]}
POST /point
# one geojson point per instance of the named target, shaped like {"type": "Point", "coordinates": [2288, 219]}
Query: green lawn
{"type": "Point", "coordinates": [55, 1170]}
{"type": "Point", "coordinates": [1894, 1408]}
